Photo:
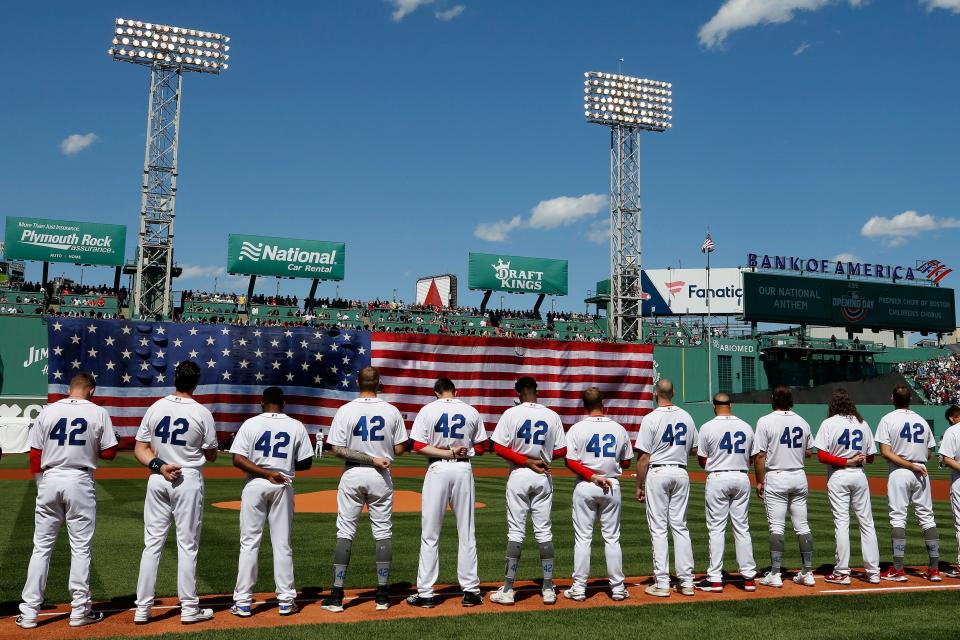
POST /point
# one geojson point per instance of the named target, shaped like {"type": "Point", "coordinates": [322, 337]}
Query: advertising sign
{"type": "Point", "coordinates": [285, 257]}
{"type": "Point", "coordinates": [64, 241]}
{"type": "Point", "coordinates": [677, 292]}
{"type": "Point", "coordinates": [437, 291]}
{"type": "Point", "coordinates": [517, 274]}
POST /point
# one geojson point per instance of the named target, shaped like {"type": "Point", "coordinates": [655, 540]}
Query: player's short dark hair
{"type": "Point", "coordinates": [592, 399]}
{"type": "Point", "coordinates": [444, 385]}
{"type": "Point", "coordinates": [721, 399]}
{"type": "Point", "coordinates": [953, 411]}
{"type": "Point", "coordinates": [525, 383]}
{"type": "Point", "coordinates": [664, 389]}
{"type": "Point", "coordinates": [901, 396]}
{"type": "Point", "coordinates": [368, 379]}
{"type": "Point", "coordinates": [781, 398]}
{"type": "Point", "coordinates": [186, 376]}
{"type": "Point", "coordinates": [273, 395]}
{"type": "Point", "coordinates": [83, 379]}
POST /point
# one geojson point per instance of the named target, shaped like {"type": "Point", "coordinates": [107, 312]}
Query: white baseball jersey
{"type": "Point", "coordinates": [368, 425]}
{"type": "Point", "coordinates": [726, 442]}
{"type": "Point", "coordinates": [908, 435]}
{"type": "Point", "coordinates": [274, 441]}
{"type": "Point", "coordinates": [845, 437]}
{"type": "Point", "coordinates": [784, 437]}
{"type": "Point", "coordinates": [72, 432]}
{"type": "Point", "coordinates": [601, 444]}
{"type": "Point", "coordinates": [178, 429]}
{"type": "Point", "coordinates": [532, 430]}
{"type": "Point", "coordinates": [448, 423]}
{"type": "Point", "coordinates": [950, 448]}
{"type": "Point", "coordinates": [668, 434]}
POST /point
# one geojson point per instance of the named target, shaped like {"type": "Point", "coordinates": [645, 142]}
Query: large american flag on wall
{"type": "Point", "coordinates": [317, 368]}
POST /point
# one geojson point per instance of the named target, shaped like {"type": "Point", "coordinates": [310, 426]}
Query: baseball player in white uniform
{"type": "Point", "coordinates": [781, 444]}
{"type": "Point", "coordinates": [666, 439]}
{"type": "Point", "coordinates": [724, 452]}
{"type": "Point", "coordinates": [529, 436]}
{"type": "Point", "coordinates": [175, 439]}
{"type": "Point", "coordinates": [448, 432]}
{"type": "Point", "coordinates": [270, 448]}
{"type": "Point", "coordinates": [367, 433]}
{"type": "Point", "coordinates": [65, 442]}
{"type": "Point", "coordinates": [950, 456]}
{"type": "Point", "coordinates": [906, 441]}
{"type": "Point", "coordinates": [598, 450]}
{"type": "Point", "coordinates": [844, 443]}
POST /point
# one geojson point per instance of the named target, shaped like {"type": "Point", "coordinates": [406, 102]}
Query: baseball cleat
{"type": "Point", "coordinates": [502, 596]}
{"type": "Point", "coordinates": [472, 599]}
{"type": "Point", "coordinates": [933, 575]}
{"type": "Point", "coordinates": [749, 584]}
{"type": "Point", "coordinates": [197, 615]}
{"type": "Point", "coordinates": [288, 608]}
{"type": "Point", "coordinates": [953, 571]}
{"type": "Point", "coordinates": [26, 623]}
{"type": "Point", "coordinates": [333, 602]}
{"type": "Point", "coordinates": [382, 598]}
{"type": "Point", "coordinates": [771, 580]}
{"type": "Point", "coordinates": [709, 586]}
{"type": "Point", "coordinates": [423, 603]}
{"type": "Point", "coordinates": [659, 592]}
{"type": "Point", "coordinates": [141, 616]}
{"type": "Point", "coordinates": [619, 595]}
{"type": "Point", "coordinates": [838, 578]}
{"type": "Point", "coordinates": [873, 578]}
{"type": "Point", "coordinates": [241, 610]}
{"type": "Point", "coordinates": [687, 589]}
{"type": "Point", "coordinates": [805, 578]}
{"type": "Point", "coordinates": [549, 595]}
{"type": "Point", "coordinates": [92, 617]}
{"type": "Point", "coordinates": [893, 575]}
{"type": "Point", "coordinates": [573, 593]}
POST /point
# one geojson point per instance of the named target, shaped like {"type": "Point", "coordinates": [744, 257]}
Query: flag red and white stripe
{"type": "Point", "coordinates": [707, 246]}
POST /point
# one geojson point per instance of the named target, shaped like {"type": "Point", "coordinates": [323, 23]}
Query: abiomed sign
{"type": "Point", "coordinates": [64, 241]}
{"type": "Point", "coordinates": [517, 274]}
{"type": "Point", "coordinates": [285, 257]}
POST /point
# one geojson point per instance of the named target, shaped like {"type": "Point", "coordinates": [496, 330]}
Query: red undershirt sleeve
{"type": "Point", "coordinates": [110, 453]}
{"type": "Point", "coordinates": [417, 445]}
{"type": "Point", "coordinates": [560, 453]}
{"type": "Point", "coordinates": [35, 455]}
{"type": "Point", "coordinates": [827, 458]}
{"type": "Point", "coordinates": [625, 464]}
{"type": "Point", "coordinates": [509, 454]}
{"type": "Point", "coordinates": [579, 468]}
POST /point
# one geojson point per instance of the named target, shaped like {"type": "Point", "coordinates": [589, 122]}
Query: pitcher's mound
{"type": "Point", "coordinates": [326, 502]}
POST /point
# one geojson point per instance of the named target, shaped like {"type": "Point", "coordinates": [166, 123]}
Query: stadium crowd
{"type": "Point", "coordinates": [938, 380]}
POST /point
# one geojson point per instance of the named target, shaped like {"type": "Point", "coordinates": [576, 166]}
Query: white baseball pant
{"type": "Point", "coordinates": [667, 494]}
{"type": "Point", "coordinates": [905, 488]}
{"type": "Point", "coordinates": [360, 486]}
{"type": "Point", "coordinates": [955, 507]}
{"type": "Point", "coordinates": [447, 482]}
{"type": "Point", "coordinates": [848, 489]}
{"type": "Point", "coordinates": [783, 492]}
{"type": "Point", "coordinates": [728, 497]}
{"type": "Point", "coordinates": [181, 502]}
{"type": "Point", "coordinates": [589, 503]}
{"type": "Point", "coordinates": [529, 492]}
{"type": "Point", "coordinates": [63, 496]}
{"type": "Point", "coordinates": [262, 501]}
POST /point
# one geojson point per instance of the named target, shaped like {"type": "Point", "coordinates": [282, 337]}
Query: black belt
{"type": "Point", "coordinates": [730, 471]}
{"type": "Point", "coordinates": [679, 466]}
{"type": "Point", "coordinates": [432, 460]}
{"type": "Point", "coordinates": [847, 466]}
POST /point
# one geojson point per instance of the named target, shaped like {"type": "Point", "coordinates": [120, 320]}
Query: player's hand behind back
{"type": "Point", "coordinates": [602, 482]}
{"type": "Point", "coordinates": [538, 465]}
{"type": "Point", "coordinates": [170, 472]}
{"type": "Point", "coordinates": [277, 477]}
{"type": "Point", "coordinates": [381, 463]}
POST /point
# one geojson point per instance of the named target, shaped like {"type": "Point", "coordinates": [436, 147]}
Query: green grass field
{"type": "Point", "coordinates": [118, 541]}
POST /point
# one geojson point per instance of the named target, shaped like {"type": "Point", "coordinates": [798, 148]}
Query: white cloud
{"type": "Point", "coordinates": [949, 5]}
{"type": "Point", "coordinates": [548, 214]}
{"type": "Point", "coordinates": [897, 230]}
{"type": "Point", "coordinates": [76, 143]}
{"type": "Point", "coordinates": [599, 232]}
{"type": "Point", "coordinates": [403, 8]}
{"type": "Point", "coordinates": [191, 271]}
{"type": "Point", "coordinates": [449, 14]}
{"type": "Point", "coordinates": [735, 15]}
{"type": "Point", "coordinates": [803, 47]}
{"type": "Point", "coordinates": [846, 257]}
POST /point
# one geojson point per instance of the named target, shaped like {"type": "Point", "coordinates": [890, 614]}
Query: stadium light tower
{"type": "Point", "coordinates": [626, 105]}
{"type": "Point", "coordinates": [169, 52]}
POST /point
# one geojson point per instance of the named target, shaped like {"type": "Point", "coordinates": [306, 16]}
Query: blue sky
{"type": "Point", "coordinates": [400, 126]}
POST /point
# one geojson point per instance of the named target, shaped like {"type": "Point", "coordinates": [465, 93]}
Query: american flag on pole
{"type": "Point", "coordinates": [133, 362]}
{"type": "Point", "coordinates": [707, 246]}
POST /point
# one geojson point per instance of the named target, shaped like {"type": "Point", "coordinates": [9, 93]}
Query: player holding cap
{"type": "Point", "coordinates": [65, 442]}
{"type": "Point", "coordinates": [781, 445]}
{"type": "Point", "coordinates": [666, 439]}
{"type": "Point", "coordinates": [950, 455]}
{"type": "Point", "coordinates": [270, 448]}
{"type": "Point", "coordinates": [529, 436]}
{"type": "Point", "coordinates": [598, 450]}
{"type": "Point", "coordinates": [844, 444]}
{"type": "Point", "coordinates": [724, 452]}
{"type": "Point", "coordinates": [367, 433]}
{"type": "Point", "coordinates": [176, 437]}
{"type": "Point", "coordinates": [906, 441]}
{"type": "Point", "coordinates": [448, 432]}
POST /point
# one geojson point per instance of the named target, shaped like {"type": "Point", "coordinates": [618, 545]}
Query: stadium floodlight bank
{"type": "Point", "coordinates": [169, 52]}
{"type": "Point", "coordinates": [627, 105]}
